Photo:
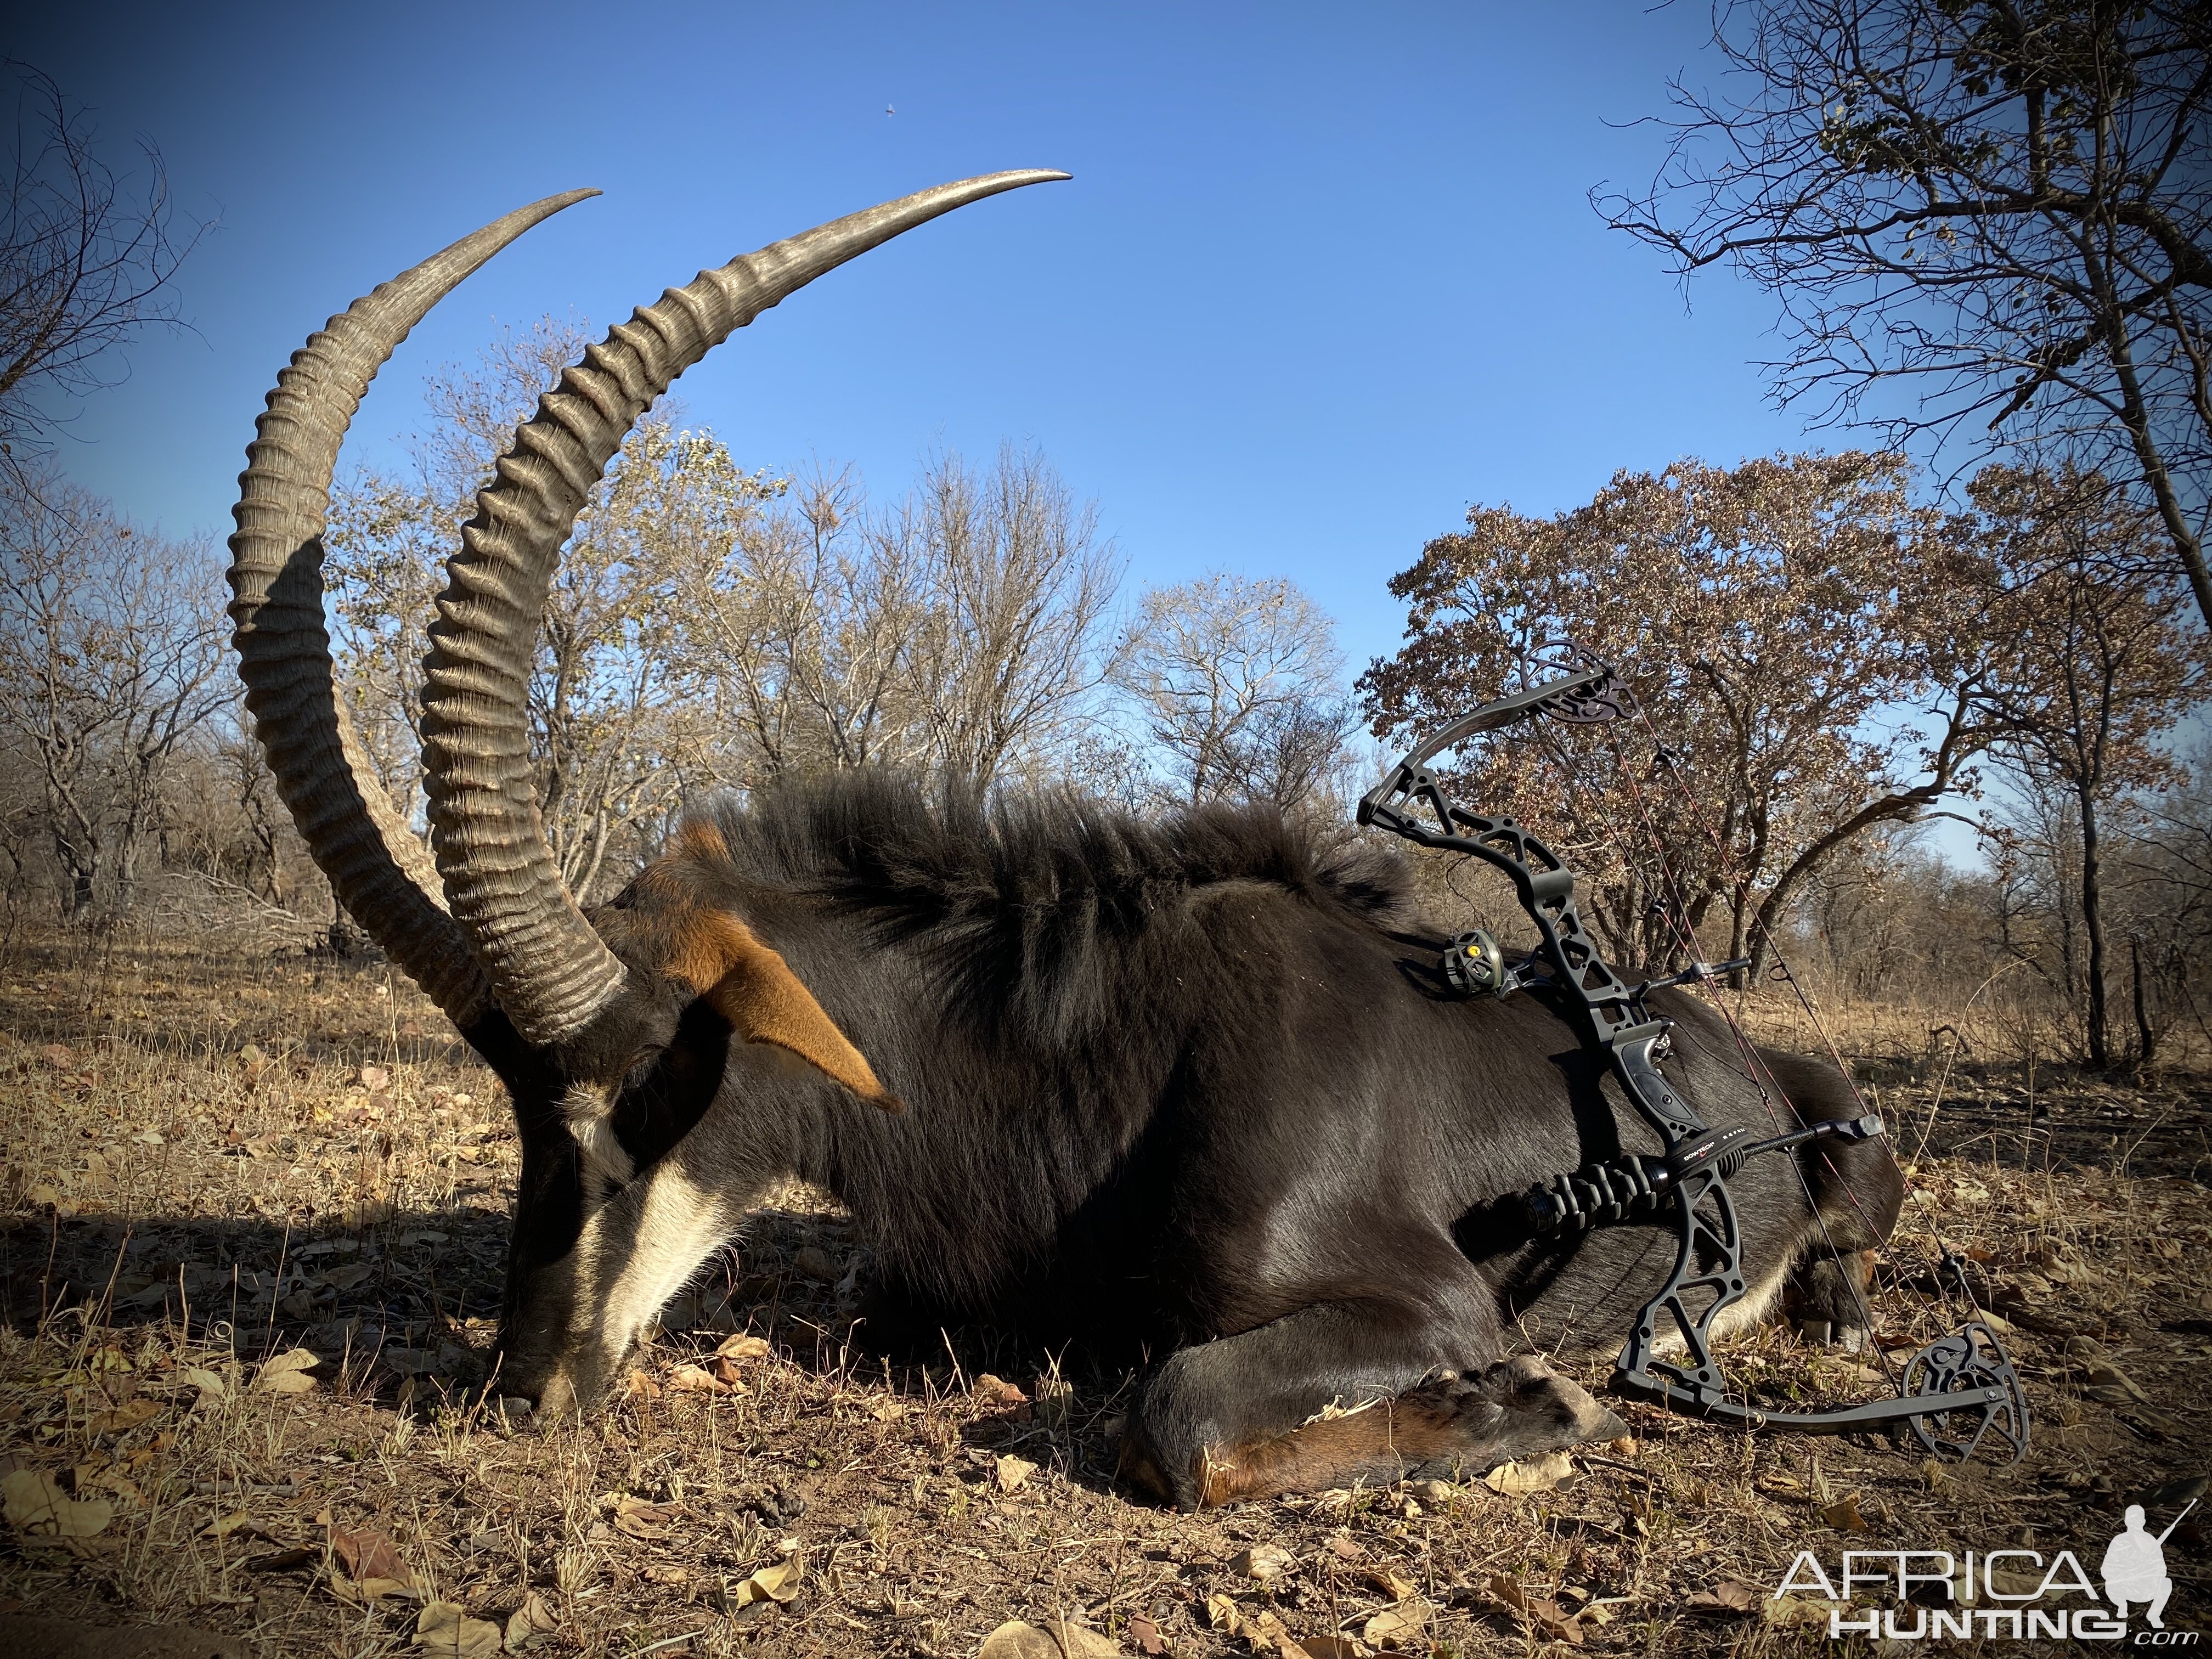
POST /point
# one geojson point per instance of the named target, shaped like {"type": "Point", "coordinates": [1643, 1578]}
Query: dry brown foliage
{"type": "Point", "coordinates": [253, 1231]}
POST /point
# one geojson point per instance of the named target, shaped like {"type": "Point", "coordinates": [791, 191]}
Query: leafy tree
{"type": "Point", "coordinates": [2089, 672]}
{"type": "Point", "coordinates": [2004, 206]}
{"type": "Point", "coordinates": [1771, 621]}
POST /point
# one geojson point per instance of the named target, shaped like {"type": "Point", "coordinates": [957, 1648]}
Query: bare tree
{"type": "Point", "coordinates": [2166, 875]}
{"type": "Point", "coordinates": [111, 660]}
{"type": "Point", "coordinates": [2003, 205]}
{"type": "Point", "coordinates": [802, 630]}
{"type": "Point", "coordinates": [86, 258]}
{"type": "Point", "coordinates": [1018, 588]}
{"type": "Point", "coordinates": [614, 731]}
{"type": "Point", "coordinates": [1240, 685]}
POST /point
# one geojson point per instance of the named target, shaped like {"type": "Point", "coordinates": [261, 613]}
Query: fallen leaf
{"type": "Point", "coordinates": [125, 1417]}
{"type": "Point", "coordinates": [1262, 1562]}
{"type": "Point", "coordinates": [778, 1584]}
{"type": "Point", "coordinates": [213, 1390]}
{"type": "Point", "coordinates": [1546, 1618]}
{"type": "Point", "coordinates": [1334, 1647]}
{"type": "Point", "coordinates": [1075, 1642]}
{"type": "Point", "coordinates": [1434, 1491]}
{"type": "Point", "coordinates": [2114, 1387]}
{"type": "Point", "coordinates": [1016, 1640]}
{"type": "Point", "coordinates": [1013, 1471]}
{"type": "Point", "coordinates": [237, 1521]}
{"type": "Point", "coordinates": [35, 1503]}
{"type": "Point", "coordinates": [1269, 1631]}
{"type": "Point", "coordinates": [369, 1555]}
{"type": "Point", "coordinates": [1392, 1584]}
{"type": "Point", "coordinates": [530, 1622]}
{"type": "Point", "coordinates": [445, 1630]}
{"type": "Point", "coordinates": [1147, 1635]}
{"type": "Point", "coordinates": [288, 1372]}
{"type": "Point", "coordinates": [743, 1347]}
{"type": "Point", "coordinates": [283, 1561]}
{"type": "Point", "coordinates": [1728, 1599]}
{"type": "Point", "coordinates": [640, 1519]}
{"type": "Point", "coordinates": [1505, 1590]}
{"type": "Point", "coordinates": [372, 1078]}
{"type": "Point", "coordinates": [813, 1262]}
{"type": "Point", "coordinates": [1519, 1479]}
{"type": "Point", "coordinates": [1223, 1615]}
{"type": "Point", "coordinates": [696, 1379]}
{"type": "Point", "coordinates": [1400, 1623]}
{"type": "Point", "coordinates": [1347, 1547]}
{"type": "Point", "coordinates": [1844, 1515]}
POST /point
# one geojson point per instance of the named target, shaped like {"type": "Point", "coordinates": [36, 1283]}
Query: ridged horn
{"type": "Point", "coordinates": [377, 865]}
{"type": "Point", "coordinates": [549, 969]}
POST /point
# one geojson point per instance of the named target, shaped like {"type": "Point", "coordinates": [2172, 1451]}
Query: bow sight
{"type": "Point", "coordinates": [1954, 1394]}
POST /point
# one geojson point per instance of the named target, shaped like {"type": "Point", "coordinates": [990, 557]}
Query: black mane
{"type": "Point", "coordinates": [940, 855]}
{"type": "Point", "coordinates": [1040, 891]}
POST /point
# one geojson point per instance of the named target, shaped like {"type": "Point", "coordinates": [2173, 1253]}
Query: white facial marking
{"type": "Point", "coordinates": [678, 1225]}
{"type": "Point", "coordinates": [586, 1109]}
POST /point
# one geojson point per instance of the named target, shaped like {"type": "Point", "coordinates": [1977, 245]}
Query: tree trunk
{"type": "Point", "coordinates": [128, 849]}
{"type": "Point", "coordinates": [2146, 1034]}
{"type": "Point", "coordinates": [80, 872]}
{"type": "Point", "coordinates": [2093, 928]}
{"type": "Point", "coordinates": [2134, 416]}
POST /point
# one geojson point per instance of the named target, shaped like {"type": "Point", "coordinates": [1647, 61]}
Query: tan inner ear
{"type": "Point", "coordinates": [753, 987]}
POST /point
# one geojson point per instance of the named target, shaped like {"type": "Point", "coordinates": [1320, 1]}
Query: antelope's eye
{"type": "Point", "coordinates": [642, 1065]}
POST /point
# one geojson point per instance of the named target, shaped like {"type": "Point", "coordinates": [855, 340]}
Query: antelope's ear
{"type": "Point", "coordinates": [754, 989]}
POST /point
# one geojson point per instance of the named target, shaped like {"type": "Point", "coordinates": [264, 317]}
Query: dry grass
{"type": "Point", "coordinates": [214, 1159]}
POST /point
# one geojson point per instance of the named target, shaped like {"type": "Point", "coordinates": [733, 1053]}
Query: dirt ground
{"type": "Point", "coordinates": [251, 1226]}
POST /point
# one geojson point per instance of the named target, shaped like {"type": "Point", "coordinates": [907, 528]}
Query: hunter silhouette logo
{"type": "Point", "coordinates": [2134, 1567]}
{"type": "Point", "coordinates": [2008, 1594]}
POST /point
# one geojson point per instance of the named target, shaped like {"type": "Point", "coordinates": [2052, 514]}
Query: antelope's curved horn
{"type": "Point", "coordinates": [549, 969]}
{"type": "Point", "coordinates": [377, 865]}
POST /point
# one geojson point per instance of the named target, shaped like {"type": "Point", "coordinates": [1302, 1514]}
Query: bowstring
{"type": "Point", "coordinates": [1945, 1256]}
{"type": "Point", "coordinates": [1673, 905]}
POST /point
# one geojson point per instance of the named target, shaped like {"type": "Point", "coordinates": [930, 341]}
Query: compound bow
{"type": "Point", "coordinates": [1952, 1394]}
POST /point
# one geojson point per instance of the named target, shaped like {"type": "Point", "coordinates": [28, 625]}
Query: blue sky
{"type": "Point", "coordinates": [1323, 276]}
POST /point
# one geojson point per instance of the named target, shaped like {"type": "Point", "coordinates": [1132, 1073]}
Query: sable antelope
{"type": "Point", "coordinates": [1193, 1078]}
